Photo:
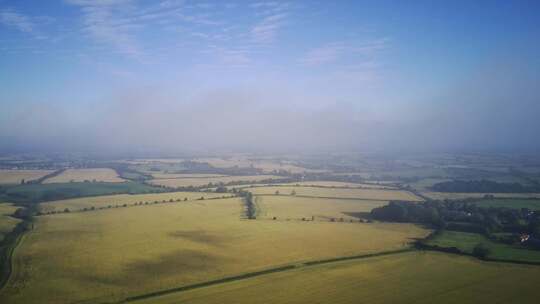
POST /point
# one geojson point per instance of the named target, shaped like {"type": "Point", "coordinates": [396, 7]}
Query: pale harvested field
{"type": "Point", "coordinates": [341, 184]}
{"type": "Point", "coordinates": [375, 194]}
{"type": "Point", "coordinates": [78, 204]}
{"type": "Point", "coordinates": [7, 223]}
{"type": "Point", "coordinates": [447, 195]}
{"type": "Point", "coordinates": [107, 255]}
{"type": "Point", "coordinates": [414, 277]}
{"type": "Point", "coordinates": [15, 176]}
{"type": "Point", "coordinates": [296, 208]}
{"type": "Point", "coordinates": [197, 182]}
{"type": "Point", "coordinates": [81, 175]}
{"type": "Point", "coordinates": [173, 175]}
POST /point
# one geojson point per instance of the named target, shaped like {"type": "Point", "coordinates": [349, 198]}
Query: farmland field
{"type": "Point", "coordinates": [173, 175]}
{"type": "Point", "coordinates": [341, 184]}
{"type": "Point", "coordinates": [402, 278]}
{"type": "Point", "coordinates": [16, 176]}
{"type": "Point", "coordinates": [7, 223]}
{"type": "Point", "coordinates": [374, 194]}
{"type": "Point", "coordinates": [107, 255]}
{"type": "Point", "coordinates": [265, 165]}
{"type": "Point", "coordinates": [81, 175]}
{"type": "Point", "coordinates": [48, 192]}
{"type": "Point", "coordinates": [197, 182]}
{"type": "Point", "coordinates": [291, 207]}
{"type": "Point", "coordinates": [120, 199]}
{"type": "Point", "coordinates": [466, 242]}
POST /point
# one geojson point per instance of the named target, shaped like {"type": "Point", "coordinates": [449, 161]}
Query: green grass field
{"type": "Point", "coordinates": [466, 241]}
{"type": "Point", "coordinates": [369, 194]}
{"type": "Point", "coordinates": [402, 278]}
{"type": "Point", "coordinates": [532, 204]}
{"type": "Point", "coordinates": [110, 254]}
{"type": "Point", "coordinates": [295, 208]}
{"type": "Point", "coordinates": [7, 223]}
{"type": "Point", "coordinates": [34, 193]}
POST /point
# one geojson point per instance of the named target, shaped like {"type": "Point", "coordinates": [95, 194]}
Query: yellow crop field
{"type": "Point", "coordinates": [173, 175]}
{"type": "Point", "coordinates": [81, 175]}
{"type": "Point", "coordinates": [402, 278]}
{"type": "Point", "coordinates": [449, 195]}
{"type": "Point", "coordinates": [16, 176]}
{"type": "Point", "coordinates": [197, 182]}
{"type": "Point", "coordinates": [107, 255]}
{"type": "Point", "coordinates": [121, 199]}
{"type": "Point", "coordinates": [7, 223]}
{"type": "Point", "coordinates": [295, 208]}
{"type": "Point", "coordinates": [374, 194]}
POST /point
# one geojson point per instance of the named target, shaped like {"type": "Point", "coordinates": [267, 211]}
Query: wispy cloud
{"type": "Point", "coordinates": [274, 18]}
{"type": "Point", "coordinates": [333, 52]}
{"type": "Point", "coordinates": [13, 19]}
{"type": "Point", "coordinates": [105, 21]}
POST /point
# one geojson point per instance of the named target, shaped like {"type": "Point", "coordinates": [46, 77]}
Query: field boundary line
{"type": "Point", "coordinates": [257, 274]}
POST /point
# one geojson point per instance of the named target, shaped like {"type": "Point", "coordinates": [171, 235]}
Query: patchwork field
{"type": "Point", "coordinates": [7, 223]}
{"type": "Point", "coordinates": [81, 175]}
{"type": "Point", "coordinates": [77, 204]}
{"type": "Point", "coordinates": [466, 242]}
{"type": "Point", "coordinates": [403, 278]}
{"type": "Point", "coordinates": [8, 177]}
{"type": "Point", "coordinates": [373, 194]}
{"type": "Point", "coordinates": [197, 182]}
{"type": "Point", "coordinates": [296, 208]}
{"type": "Point", "coordinates": [107, 255]}
{"type": "Point", "coordinates": [448, 195]}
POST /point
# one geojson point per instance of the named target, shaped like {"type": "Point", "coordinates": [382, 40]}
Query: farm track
{"type": "Point", "coordinates": [254, 274]}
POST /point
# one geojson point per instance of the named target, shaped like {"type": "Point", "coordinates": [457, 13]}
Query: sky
{"type": "Point", "coordinates": [269, 76]}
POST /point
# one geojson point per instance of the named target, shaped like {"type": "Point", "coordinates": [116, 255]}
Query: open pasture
{"type": "Point", "coordinates": [370, 194]}
{"type": "Point", "coordinates": [198, 182]}
{"type": "Point", "coordinates": [7, 223]}
{"type": "Point", "coordinates": [104, 201]}
{"type": "Point", "coordinates": [413, 277]}
{"type": "Point", "coordinates": [81, 175]}
{"type": "Point", "coordinates": [296, 208]}
{"type": "Point", "coordinates": [108, 255]}
{"type": "Point", "coordinates": [10, 177]}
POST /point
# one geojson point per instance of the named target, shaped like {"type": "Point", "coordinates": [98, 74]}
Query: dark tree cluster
{"type": "Point", "coordinates": [483, 186]}
{"type": "Point", "coordinates": [467, 217]}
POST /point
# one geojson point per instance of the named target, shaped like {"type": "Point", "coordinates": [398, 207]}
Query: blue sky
{"type": "Point", "coordinates": [393, 66]}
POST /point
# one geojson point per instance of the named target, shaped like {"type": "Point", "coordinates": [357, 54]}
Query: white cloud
{"type": "Point", "coordinates": [10, 18]}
